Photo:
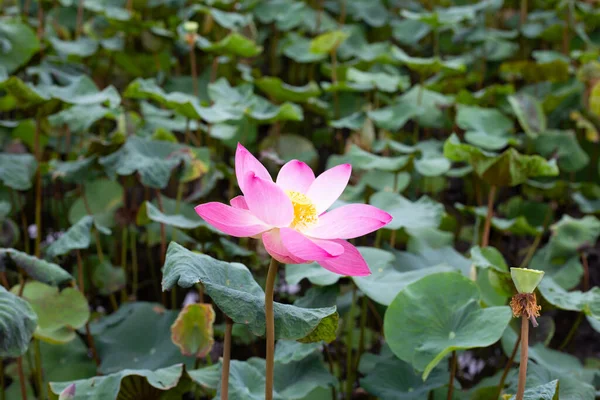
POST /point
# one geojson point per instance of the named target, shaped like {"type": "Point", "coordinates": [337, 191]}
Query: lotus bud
{"type": "Point", "coordinates": [68, 393]}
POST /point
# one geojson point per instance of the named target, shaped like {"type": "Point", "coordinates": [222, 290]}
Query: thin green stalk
{"type": "Point", "coordinates": [488, 218]}
{"type": "Point", "coordinates": [349, 341]}
{"type": "Point", "coordinates": [134, 262]}
{"type": "Point", "coordinates": [270, 323]}
{"type": "Point", "coordinates": [226, 358]}
{"type": "Point", "coordinates": [507, 366]}
{"type": "Point", "coordinates": [180, 188]}
{"type": "Point", "coordinates": [17, 199]}
{"type": "Point", "coordinates": [331, 371]}
{"type": "Point", "coordinates": [2, 391]}
{"type": "Point", "coordinates": [572, 332]}
{"type": "Point", "coordinates": [88, 333]}
{"type": "Point", "coordinates": [38, 189]}
{"type": "Point", "coordinates": [124, 234]}
{"type": "Point", "coordinates": [39, 374]}
{"type": "Point", "coordinates": [21, 378]}
{"type": "Point", "coordinates": [363, 325]}
{"type": "Point", "coordinates": [452, 374]}
{"type": "Point", "coordinates": [524, 357]}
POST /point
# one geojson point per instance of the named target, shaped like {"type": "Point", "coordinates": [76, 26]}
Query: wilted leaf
{"type": "Point", "coordinates": [192, 331]}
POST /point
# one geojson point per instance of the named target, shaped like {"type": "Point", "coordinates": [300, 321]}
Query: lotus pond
{"type": "Point", "coordinates": [299, 199]}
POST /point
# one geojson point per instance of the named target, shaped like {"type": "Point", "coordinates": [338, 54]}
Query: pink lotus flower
{"type": "Point", "coordinates": [290, 215]}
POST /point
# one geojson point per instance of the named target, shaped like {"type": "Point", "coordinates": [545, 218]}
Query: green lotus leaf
{"type": "Point", "coordinates": [77, 237]}
{"type": "Point", "coordinates": [179, 220]}
{"type": "Point", "coordinates": [388, 275]}
{"type": "Point", "coordinates": [489, 257]}
{"type": "Point", "coordinates": [281, 91]}
{"type": "Point", "coordinates": [105, 277]}
{"type": "Point", "coordinates": [76, 171]}
{"type": "Point", "coordinates": [509, 168]}
{"type": "Point", "coordinates": [327, 42]}
{"type": "Point", "coordinates": [236, 293]}
{"type": "Point", "coordinates": [60, 313]}
{"type": "Point", "coordinates": [564, 146]}
{"type": "Point", "coordinates": [82, 47]}
{"type": "Point", "coordinates": [35, 268]}
{"type": "Point", "coordinates": [192, 331]}
{"type": "Point", "coordinates": [121, 385]}
{"type": "Point", "coordinates": [389, 378]}
{"type": "Point", "coordinates": [292, 147]}
{"type": "Point", "coordinates": [547, 391]}
{"type": "Point", "coordinates": [487, 128]}
{"type": "Point", "coordinates": [530, 114]}
{"type": "Point", "coordinates": [80, 118]}
{"type": "Point", "coordinates": [17, 170]}
{"type": "Point", "coordinates": [569, 235]}
{"type": "Point", "coordinates": [442, 320]}
{"type": "Point", "coordinates": [586, 302]}
{"type": "Point", "coordinates": [287, 351]}
{"type": "Point", "coordinates": [137, 335]}
{"type": "Point", "coordinates": [295, 380]}
{"type": "Point", "coordinates": [23, 44]}
{"type": "Point", "coordinates": [154, 160]}
{"type": "Point", "coordinates": [19, 321]}
{"type": "Point", "coordinates": [427, 66]}
{"type": "Point", "coordinates": [69, 361]}
{"type": "Point", "coordinates": [233, 44]}
{"type": "Point", "coordinates": [363, 160]}
{"type": "Point", "coordinates": [423, 213]}
{"type": "Point", "coordinates": [517, 226]}
{"type": "Point", "coordinates": [104, 197]}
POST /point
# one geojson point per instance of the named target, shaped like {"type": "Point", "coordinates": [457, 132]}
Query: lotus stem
{"type": "Point", "coordinates": [96, 234]}
{"type": "Point", "coordinates": [134, 262]}
{"type": "Point", "coordinates": [124, 234]}
{"type": "Point", "coordinates": [270, 327]}
{"type": "Point", "coordinates": [524, 356]}
{"type": "Point", "coordinates": [572, 331]}
{"type": "Point", "coordinates": [586, 272]}
{"type": "Point", "coordinates": [342, 12]}
{"type": "Point", "coordinates": [488, 218]}
{"type": "Point", "coordinates": [39, 374]}
{"type": "Point", "coordinates": [88, 333]}
{"type": "Point", "coordinates": [393, 239]}
{"type": "Point", "coordinates": [2, 391]}
{"type": "Point", "coordinates": [40, 17]}
{"type": "Point", "coordinates": [194, 67]}
{"type": "Point", "coordinates": [21, 378]}
{"type": "Point", "coordinates": [507, 366]}
{"type": "Point", "coordinates": [79, 27]}
{"type": "Point", "coordinates": [452, 375]}
{"type": "Point", "coordinates": [363, 324]}
{"type": "Point", "coordinates": [163, 234]}
{"type": "Point", "coordinates": [349, 341]}
{"type": "Point", "coordinates": [226, 358]}
{"type": "Point", "coordinates": [38, 189]}
{"type": "Point", "coordinates": [331, 370]}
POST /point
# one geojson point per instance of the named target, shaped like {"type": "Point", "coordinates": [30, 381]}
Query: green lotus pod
{"type": "Point", "coordinates": [526, 280]}
{"type": "Point", "coordinates": [190, 26]}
